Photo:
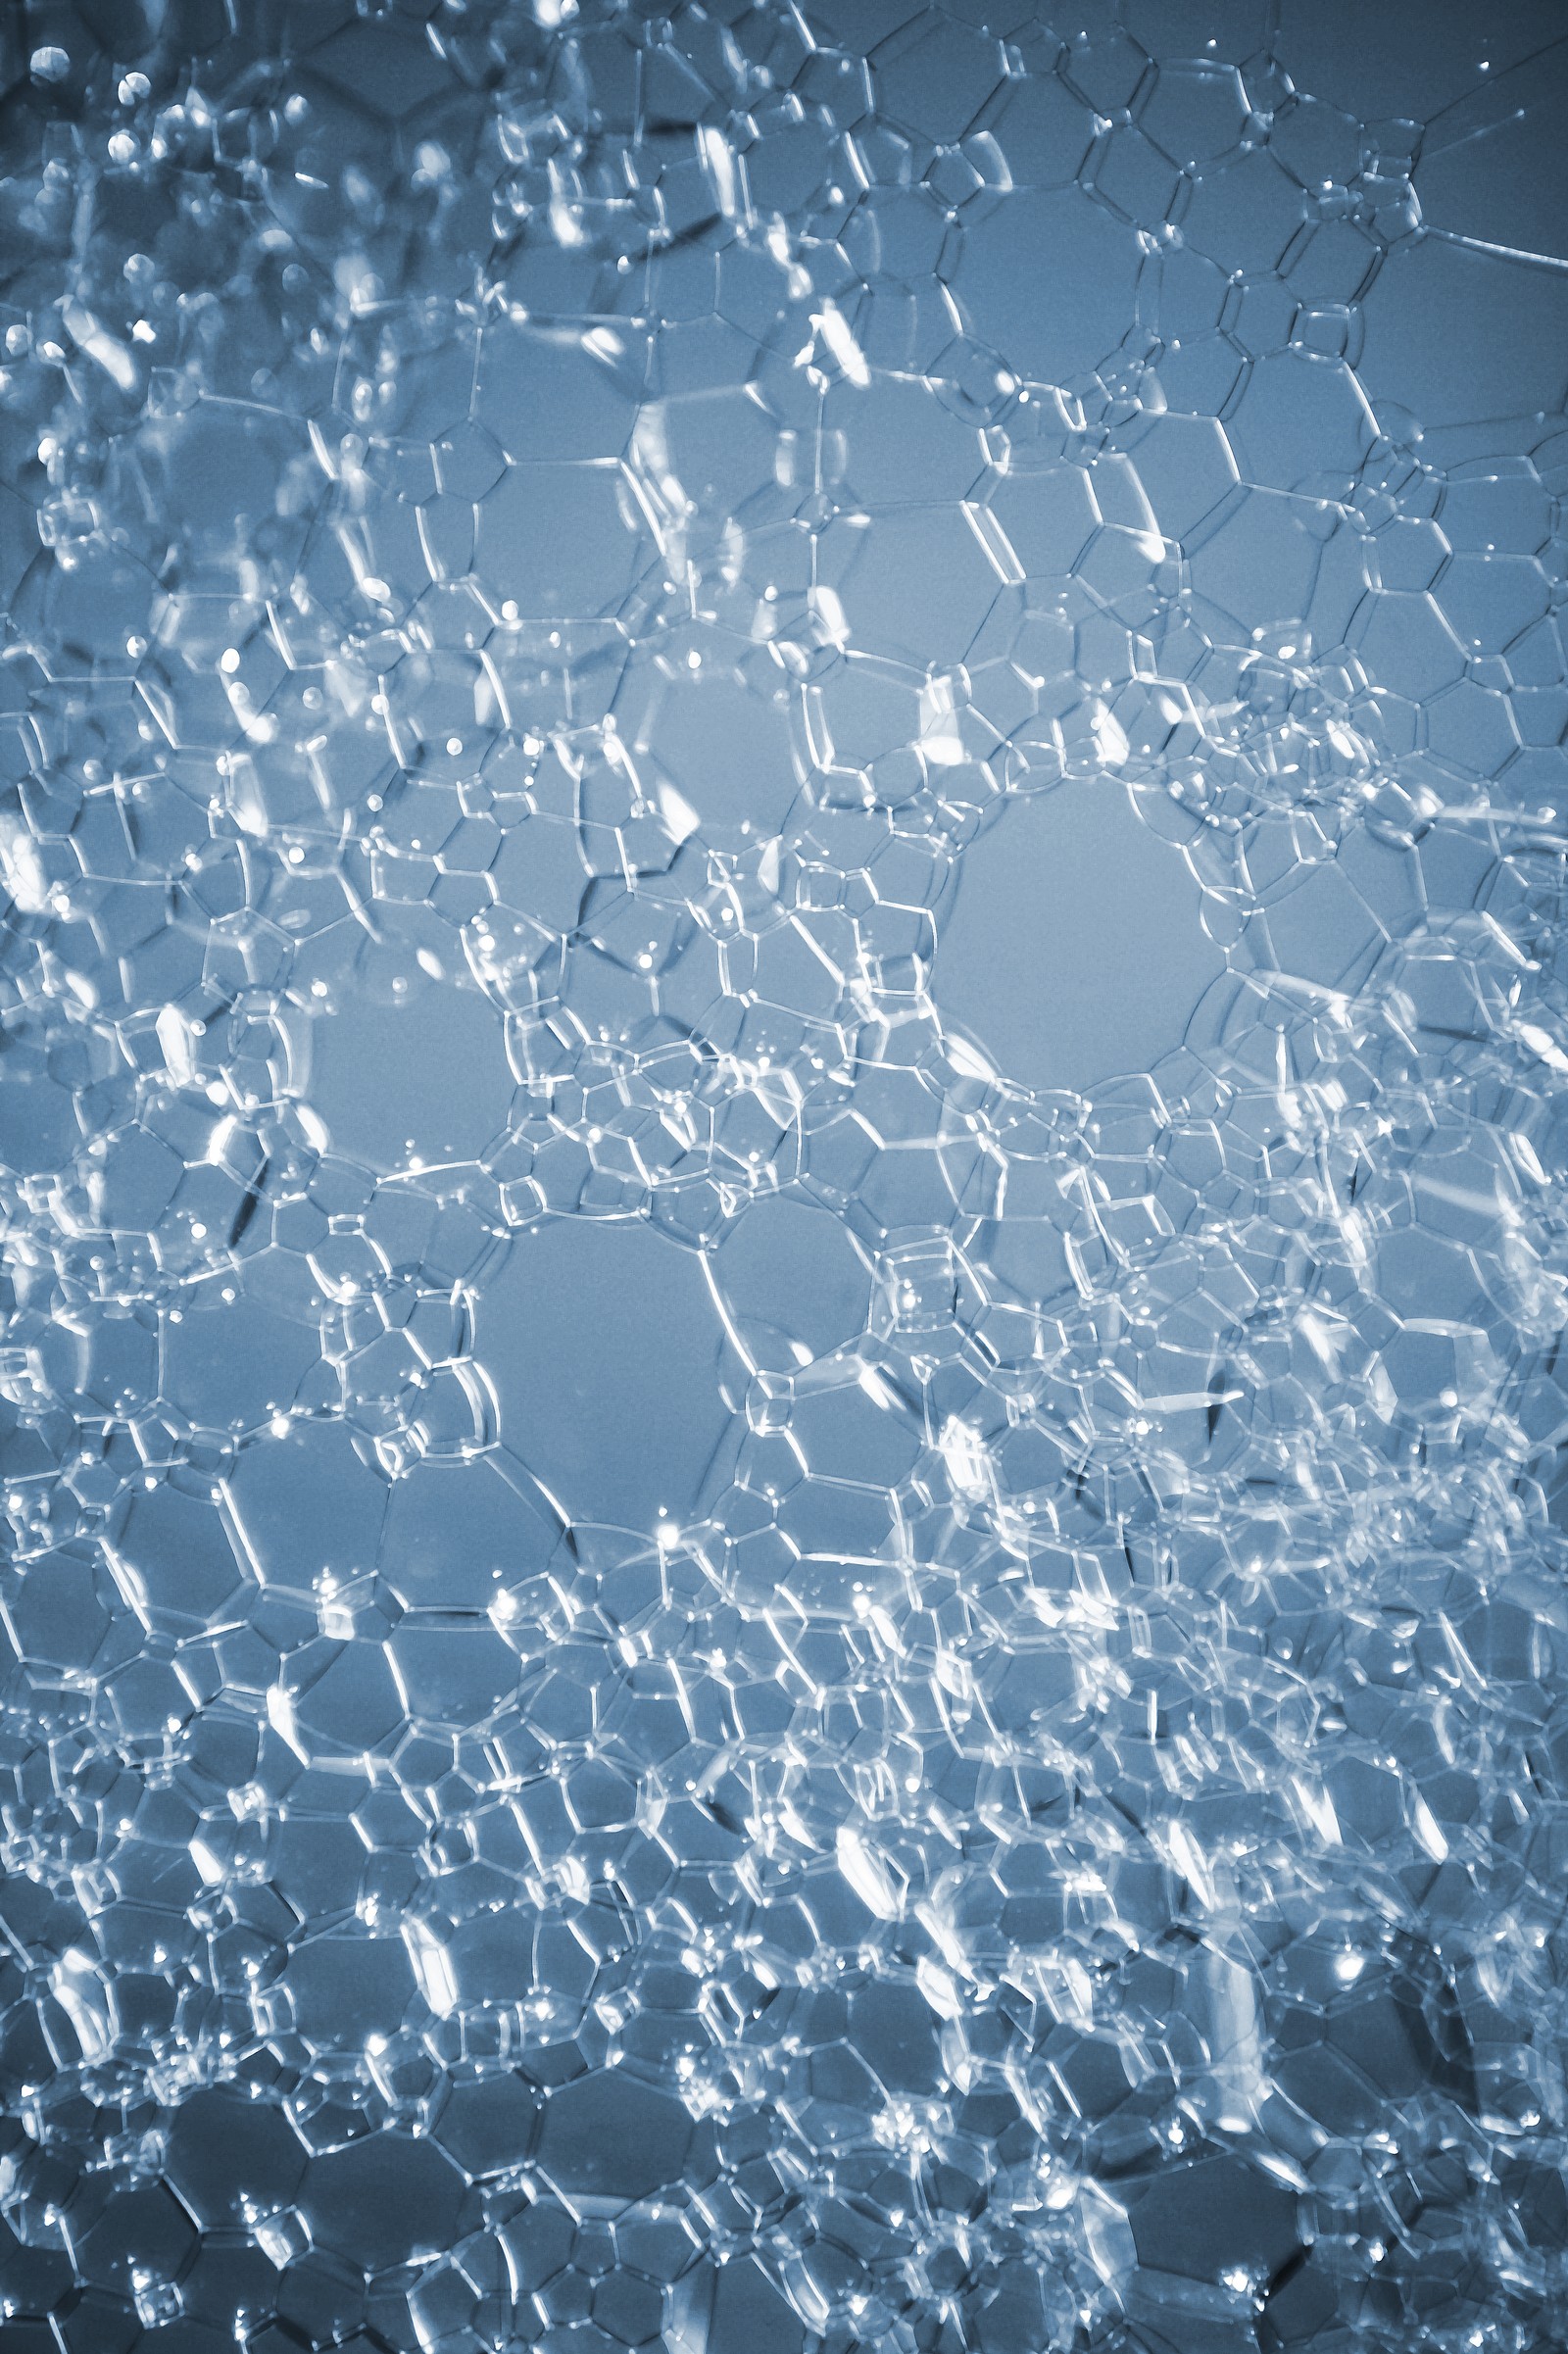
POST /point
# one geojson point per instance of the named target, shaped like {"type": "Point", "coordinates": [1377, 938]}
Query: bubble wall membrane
{"type": "Point", "coordinates": [783, 1113]}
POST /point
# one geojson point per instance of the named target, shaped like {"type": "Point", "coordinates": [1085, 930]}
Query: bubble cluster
{"type": "Point", "coordinates": [782, 1149]}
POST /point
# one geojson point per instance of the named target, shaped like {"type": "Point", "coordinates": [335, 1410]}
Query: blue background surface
{"type": "Point", "coordinates": [782, 1128]}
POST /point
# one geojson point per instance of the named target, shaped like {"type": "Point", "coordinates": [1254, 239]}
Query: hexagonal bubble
{"type": "Point", "coordinates": [793, 1279]}
{"type": "Point", "coordinates": [1066, 310]}
{"type": "Point", "coordinates": [1076, 948]}
{"type": "Point", "coordinates": [608, 2137]}
{"type": "Point", "coordinates": [383, 2200]}
{"type": "Point", "coordinates": [422, 1080]}
{"type": "Point", "coordinates": [780, 1268]}
{"type": "Point", "coordinates": [621, 1414]}
{"type": "Point", "coordinates": [557, 542]}
{"type": "Point", "coordinates": [175, 1559]}
{"type": "Point", "coordinates": [727, 753]}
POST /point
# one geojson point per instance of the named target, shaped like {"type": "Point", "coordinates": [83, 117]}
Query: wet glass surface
{"type": "Point", "coordinates": [782, 1131]}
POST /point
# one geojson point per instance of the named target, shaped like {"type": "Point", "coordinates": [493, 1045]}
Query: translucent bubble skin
{"type": "Point", "coordinates": [782, 1132]}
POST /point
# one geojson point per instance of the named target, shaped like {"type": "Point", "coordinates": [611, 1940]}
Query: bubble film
{"type": "Point", "coordinates": [782, 1132]}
